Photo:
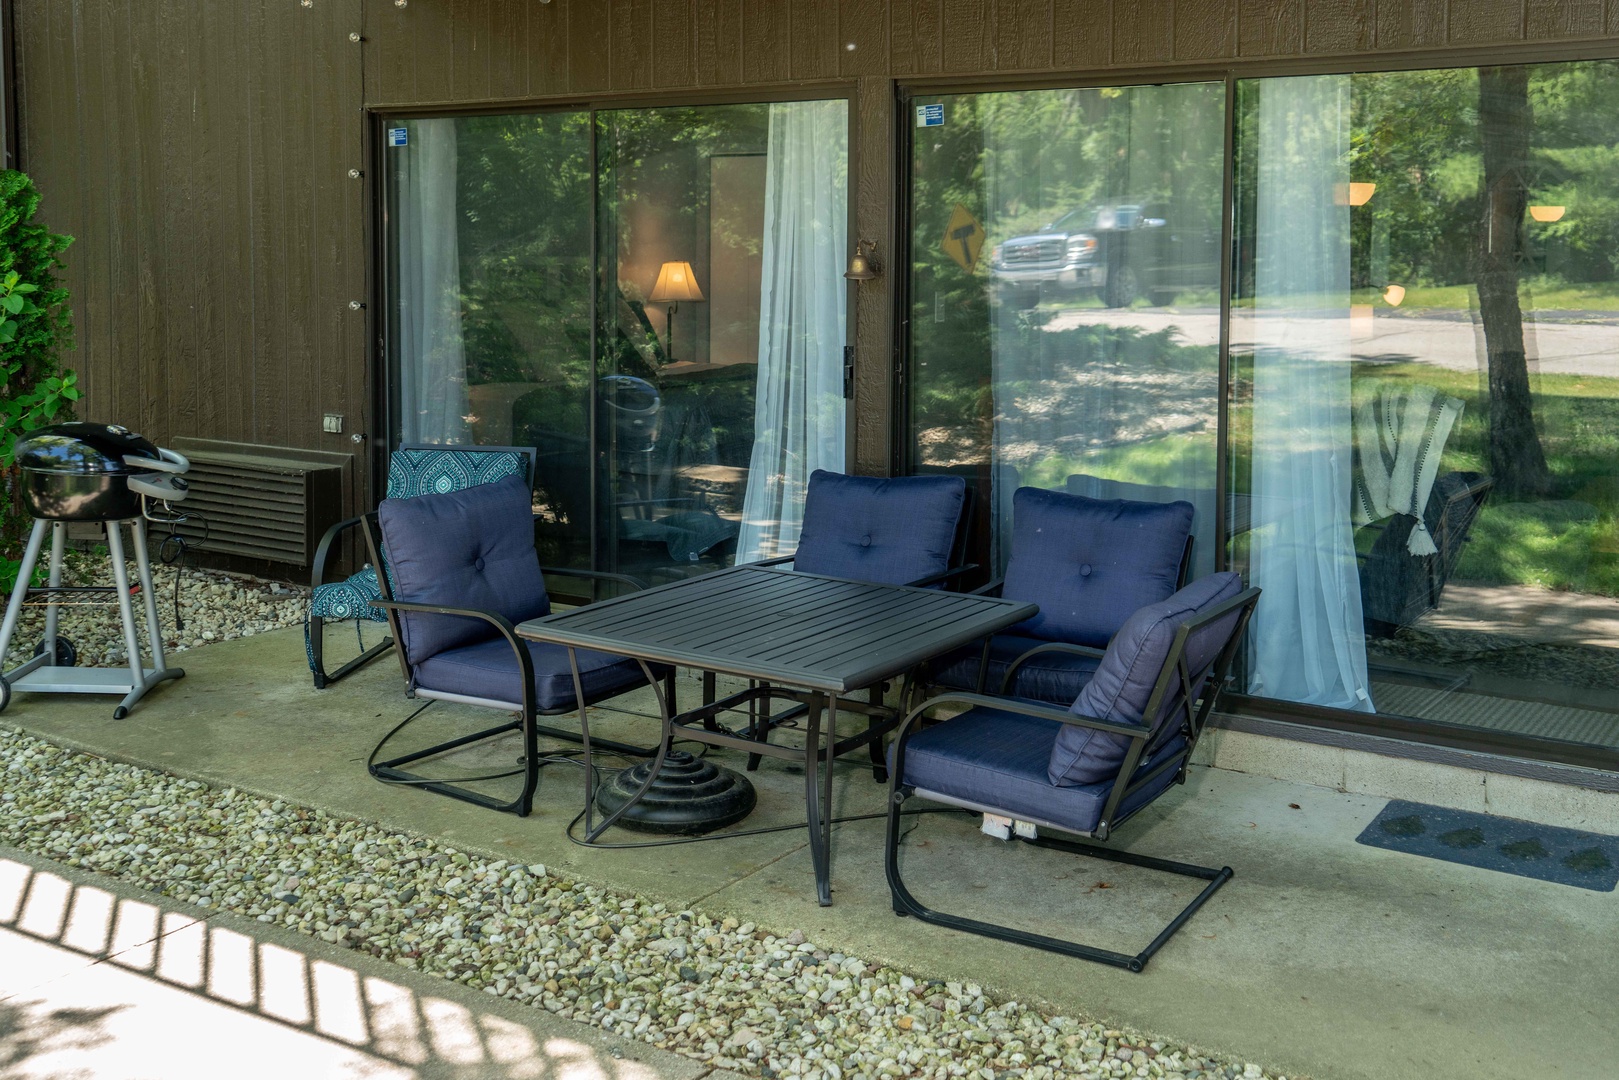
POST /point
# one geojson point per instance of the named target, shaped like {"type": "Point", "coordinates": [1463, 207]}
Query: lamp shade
{"type": "Point", "coordinates": [1547, 213]}
{"type": "Point", "coordinates": [1356, 193]}
{"type": "Point", "coordinates": [676, 282]}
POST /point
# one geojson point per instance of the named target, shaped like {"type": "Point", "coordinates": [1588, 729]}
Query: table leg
{"type": "Point", "coordinates": [815, 812]}
{"type": "Point", "coordinates": [826, 795]}
{"type": "Point", "coordinates": [709, 696]}
{"type": "Point", "coordinates": [879, 765]}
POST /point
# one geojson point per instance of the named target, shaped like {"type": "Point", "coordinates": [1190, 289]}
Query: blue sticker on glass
{"type": "Point", "coordinates": [399, 136]}
{"type": "Point", "coordinates": [930, 116]}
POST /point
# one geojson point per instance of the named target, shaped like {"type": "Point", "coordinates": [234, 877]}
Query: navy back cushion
{"type": "Point", "coordinates": [889, 531]}
{"type": "Point", "coordinates": [1090, 563]}
{"type": "Point", "coordinates": [1122, 687]}
{"type": "Point", "coordinates": [470, 549]}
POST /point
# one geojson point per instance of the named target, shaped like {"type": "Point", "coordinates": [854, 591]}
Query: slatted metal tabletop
{"type": "Point", "coordinates": [773, 624]}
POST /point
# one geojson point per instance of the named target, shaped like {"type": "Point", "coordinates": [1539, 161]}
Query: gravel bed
{"type": "Point", "coordinates": [214, 606]}
{"type": "Point", "coordinates": [731, 994]}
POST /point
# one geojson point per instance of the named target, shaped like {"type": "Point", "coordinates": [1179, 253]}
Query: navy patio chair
{"type": "Point", "coordinates": [1089, 564]}
{"type": "Point", "coordinates": [463, 574]}
{"type": "Point", "coordinates": [412, 471]}
{"type": "Point", "coordinates": [903, 530]}
{"type": "Point", "coordinates": [1126, 739]}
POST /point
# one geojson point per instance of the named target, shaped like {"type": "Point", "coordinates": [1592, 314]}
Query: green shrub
{"type": "Point", "coordinates": [35, 329]}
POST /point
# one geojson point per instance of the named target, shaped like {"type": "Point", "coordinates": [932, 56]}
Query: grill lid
{"type": "Point", "coordinates": [82, 448]}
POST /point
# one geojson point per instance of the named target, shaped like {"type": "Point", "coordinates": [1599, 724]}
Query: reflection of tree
{"type": "Point", "coordinates": [1505, 121]}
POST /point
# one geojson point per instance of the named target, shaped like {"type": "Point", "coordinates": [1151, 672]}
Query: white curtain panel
{"type": "Point", "coordinates": [1308, 638]}
{"type": "Point", "coordinates": [432, 360]}
{"type": "Point", "coordinates": [799, 409]}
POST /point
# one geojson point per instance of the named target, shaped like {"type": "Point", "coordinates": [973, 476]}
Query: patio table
{"type": "Point", "coordinates": [808, 638]}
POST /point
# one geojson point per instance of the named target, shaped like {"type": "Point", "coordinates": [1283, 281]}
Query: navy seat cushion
{"type": "Point", "coordinates": [1091, 563]}
{"type": "Point", "coordinates": [469, 549]}
{"type": "Point", "coordinates": [997, 760]}
{"type": "Point", "coordinates": [1122, 687]}
{"type": "Point", "coordinates": [887, 531]}
{"type": "Point", "coordinates": [488, 669]}
{"type": "Point", "coordinates": [1054, 678]}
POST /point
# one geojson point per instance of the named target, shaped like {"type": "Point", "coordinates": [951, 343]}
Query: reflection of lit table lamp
{"type": "Point", "coordinates": [676, 282]}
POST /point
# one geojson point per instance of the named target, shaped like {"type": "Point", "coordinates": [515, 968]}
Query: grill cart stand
{"type": "Point", "coordinates": [51, 670]}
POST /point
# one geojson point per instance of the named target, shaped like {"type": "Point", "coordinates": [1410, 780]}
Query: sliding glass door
{"type": "Point", "coordinates": [1420, 427]}
{"type": "Point", "coordinates": [652, 299]}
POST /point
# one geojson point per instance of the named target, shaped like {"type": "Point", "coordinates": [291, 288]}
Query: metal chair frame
{"type": "Point", "coordinates": [527, 710]}
{"type": "Point", "coordinates": [316, 628]}
{"type": "Point", "coordinates": [1191, 723]}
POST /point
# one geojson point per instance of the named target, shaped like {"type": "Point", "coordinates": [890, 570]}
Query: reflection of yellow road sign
{"type": "Point", "coordinates": [963, 238]}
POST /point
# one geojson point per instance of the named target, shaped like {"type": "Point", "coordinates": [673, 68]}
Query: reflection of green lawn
{"type": "Point", "coordinates": [1180, 460]}
{"type": "Point", "coordinates": [1536, 295]}
{"type": "Point", "coordinates": [1567, 540]}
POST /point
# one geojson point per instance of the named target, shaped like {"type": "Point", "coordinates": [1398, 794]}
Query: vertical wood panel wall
{"type": "Point", "coordinates": [200, 150]}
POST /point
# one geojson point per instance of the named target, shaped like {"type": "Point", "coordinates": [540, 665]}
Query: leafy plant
{"type": "Point", "coordinates": [35, 328]}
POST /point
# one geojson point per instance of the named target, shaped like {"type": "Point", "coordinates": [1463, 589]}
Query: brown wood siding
{"type": "Point", "coordinates": [199, 153]}
{"type": "Point", "coordinates": [200, 150]}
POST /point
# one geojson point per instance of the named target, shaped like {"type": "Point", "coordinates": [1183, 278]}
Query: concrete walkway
{"type": "Point", "coordinates": [1322, 957]}
{"type": "Point", "coordinates": [98, 979]}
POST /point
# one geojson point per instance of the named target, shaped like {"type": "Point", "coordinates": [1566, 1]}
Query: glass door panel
{"type": "Point", "coordinates": [722, 240]}
{"type": "Point", "coordinates": [1425, 394]}
{"type": "Point", "coordinates": [488, 232]}
{"type": "Point", "coordinates": [1065, 310]}
{"type": "Point", "coordinates": [680, 388]}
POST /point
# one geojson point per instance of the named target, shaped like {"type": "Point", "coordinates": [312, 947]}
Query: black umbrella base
{"type": "Point", "coordinates": [690, 796]}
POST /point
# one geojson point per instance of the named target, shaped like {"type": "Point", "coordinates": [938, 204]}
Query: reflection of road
{"type": "Point", "coordinates": [1446, 339]}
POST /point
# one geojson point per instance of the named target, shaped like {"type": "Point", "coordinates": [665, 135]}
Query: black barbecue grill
{"type": "Point", "coordinates": [90, 473]}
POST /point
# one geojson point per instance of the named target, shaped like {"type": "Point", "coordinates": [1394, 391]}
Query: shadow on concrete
{"type": "Point", "coordinates": [155, 976]}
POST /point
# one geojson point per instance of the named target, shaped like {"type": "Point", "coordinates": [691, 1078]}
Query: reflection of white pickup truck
{"type": "Point", "coordinates": [1122, 251]}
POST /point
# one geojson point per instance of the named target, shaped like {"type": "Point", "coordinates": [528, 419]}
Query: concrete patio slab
{"type": "Point", "coordinates": [1322, 956]}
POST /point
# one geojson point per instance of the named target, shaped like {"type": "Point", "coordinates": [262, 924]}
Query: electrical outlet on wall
{"type": "Point", "coordinates": [332, 423]}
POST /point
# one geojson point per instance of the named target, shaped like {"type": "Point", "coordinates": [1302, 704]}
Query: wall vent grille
{"type": "Point", "coordinates": [263, 502]}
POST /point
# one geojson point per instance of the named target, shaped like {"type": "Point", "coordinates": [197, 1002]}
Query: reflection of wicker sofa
{"type": "Point", "coordinates": [1397, 587]}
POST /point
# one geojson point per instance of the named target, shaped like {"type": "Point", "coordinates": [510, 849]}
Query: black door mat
{"type": "Point", "coordinates": [1545, 852]}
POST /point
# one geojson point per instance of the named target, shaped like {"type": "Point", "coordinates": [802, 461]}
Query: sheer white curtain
{"type": "Point", "coordinates": [799, 409]}
{"type": "Point", "coordinates": [432, 361]}
{"type": "Point", "coordinates": [1308, 642]}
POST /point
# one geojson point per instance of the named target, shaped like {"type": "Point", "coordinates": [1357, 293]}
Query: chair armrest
{"type": "Point", "coordinates": [525, 662]}
{"type": "Point", "coordinates": [989, 588]}
{"type": "Point", "coordinates": [595, 575]}
{"type": "Point", "coordinates": [323, 551]}
{"type": "Point", "coordinates": [1048, 647]}
{"type": "Point", "coordinates": [1029, 708]}
{"type": "Point", "coordinates": [777, 561]}
{"type": "Point", "coordinates": [495, 619]}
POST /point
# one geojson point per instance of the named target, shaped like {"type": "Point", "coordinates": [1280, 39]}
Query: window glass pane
{"type": "Point", "coordinates": [722, 238]}
{"type": "Point", "coordinates": [1065, 317]}
{"type": "Point", "coordinates": [679, 389]}
{"type": "Point", "coordinates": [1425, 393]}
{"type": "Point", "coordinates": [489, 244]}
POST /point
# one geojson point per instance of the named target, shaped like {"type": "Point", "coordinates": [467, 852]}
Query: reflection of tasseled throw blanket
{"type": "Point", "coordinates": [1399, 435]}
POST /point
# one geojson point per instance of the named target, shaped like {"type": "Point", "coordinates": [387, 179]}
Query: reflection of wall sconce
{"type": "Point", "coordinates": [863, 264]}
{"type": "Point", "coordinates": [676, 282]}
{"type": "Point", "coordinates": [1547, 213]}
{"type": "Point", "coordinates": [1394, 295]}
{"type": "Point", "coordinates": [1355, 194]}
